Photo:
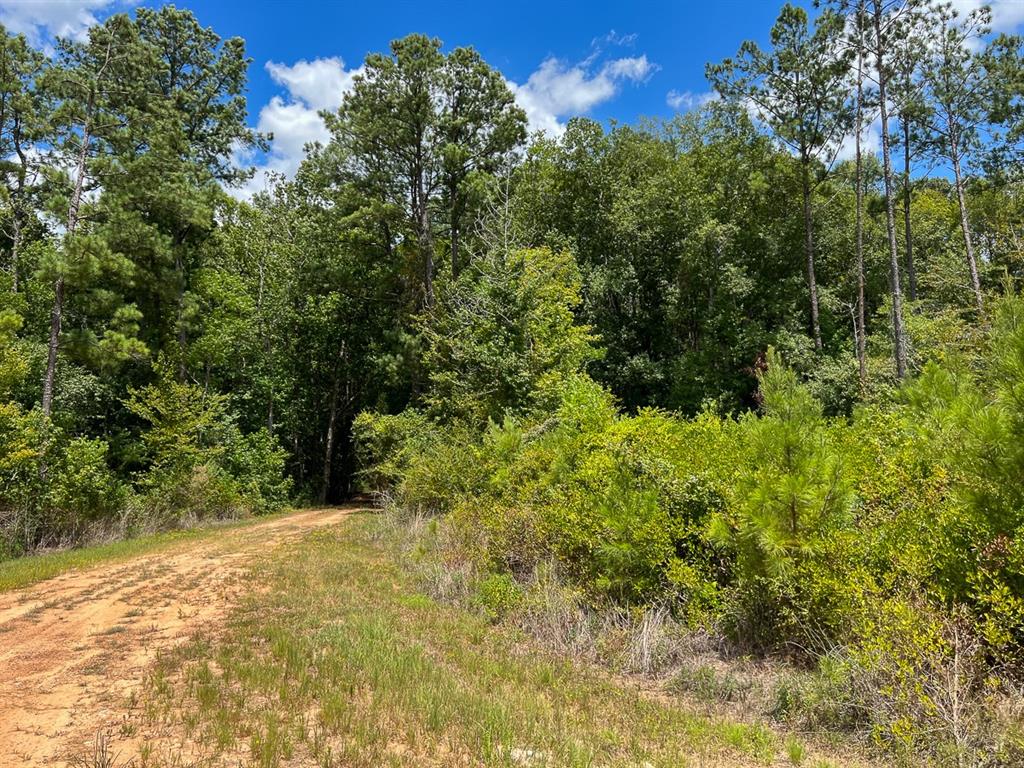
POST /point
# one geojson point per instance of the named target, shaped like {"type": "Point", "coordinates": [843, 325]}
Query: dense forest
{"type": "Point", "coordinates": [760, 366]}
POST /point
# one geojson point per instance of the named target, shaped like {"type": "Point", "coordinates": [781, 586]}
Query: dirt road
{"type": "Point", "coordinates": [74, 647]}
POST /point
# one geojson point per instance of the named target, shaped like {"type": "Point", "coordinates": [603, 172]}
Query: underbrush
{"type": "Point", "coordinates": [871, 693]}
{"type": "Point", "coordinates": [874, 563]}
{"type": "Point", "coordinates": [58, 492]}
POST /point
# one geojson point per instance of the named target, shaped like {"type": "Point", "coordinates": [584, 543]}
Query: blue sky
{"type": "Point", "coordinates": [609, 60]}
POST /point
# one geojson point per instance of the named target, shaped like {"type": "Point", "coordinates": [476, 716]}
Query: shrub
{"type": "Point", "coordinates": [200, 464]}
{"type": "Point", "coordinates": [257, 463]}
{"type": "Point", "coordinates": [497, 594]}
{"type": "Point", "coordinates": [81, 490]}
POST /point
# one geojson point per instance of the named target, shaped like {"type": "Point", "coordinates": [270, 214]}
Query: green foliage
{"type": "Point", "coordinates": [199, 464]}
{"type": "Point", "coordinates": [54, 488]}
{"type": "Point", "coordinates": [504, 337]}
{"type": "Point", "coordinates": [387, 446]}
{"type": "Point", "coordinates": [975, 420]}
{"type": "Point", "coordinates": [794, 495]}
{"type": "Point", "coordinates": [187, 424]}
{"type": "Point", "coordinates": [83, 490]}
{"type": "Point", "coordinates": [557, 350]}
{"type": "Point", "coordinates": [498, 594]}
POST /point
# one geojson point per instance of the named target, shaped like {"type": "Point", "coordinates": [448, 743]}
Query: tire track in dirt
{"type": "Point", "coordinates": [73, 648]}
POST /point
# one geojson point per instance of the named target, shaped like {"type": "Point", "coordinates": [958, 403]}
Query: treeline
{"type": "Point", "coordinates": [115, 152]}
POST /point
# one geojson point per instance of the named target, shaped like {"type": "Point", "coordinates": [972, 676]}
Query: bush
{"type": "Point", "coordinates": [82, 491]}
{"type": "Point", "coordinates": [257, 463]}
{"type": "Point", "coordinates": [200, 493]}
{"type": "Point", "coordinates": [497, 594]}
{"type": "Point", "coordinates": [200, 464]}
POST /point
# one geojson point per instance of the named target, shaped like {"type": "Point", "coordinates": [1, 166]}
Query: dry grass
{"type": "Point", "coordinates": [342, 661]}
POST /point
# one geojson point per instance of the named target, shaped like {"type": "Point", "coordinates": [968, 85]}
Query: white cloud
{"type": "Point", "coordinates": [683, 101]}
{"type": "Point", "coordinates": [557, 90]}
{"type": "Point", "coordinates": [614, 38]}
{"type": "Point", "coordinates": [40, 20]}
{"type": "Point", "coordinates": [320, 83]}
{"type": "Point", "coordinates": [1007, 15]}
{"type": "Point", "coordinates": [294, 120]}
{"type": "Point", "coordinates": [870, 142]}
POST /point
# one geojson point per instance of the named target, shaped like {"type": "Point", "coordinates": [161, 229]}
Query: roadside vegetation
{"type": "Point", "coordinates": [875, 554]}
{"type": "Point", "coordinates": [341, 661]}
{"type": "Point", "coordinates": [21, 572]}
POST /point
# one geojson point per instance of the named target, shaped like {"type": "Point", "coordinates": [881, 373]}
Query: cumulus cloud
{"type": "Point", "coordinates": [683, 101]}
{"type": "Point", "coordinates": [558, 90]}
{"type": "Point", "coordinates": [1007, 15]}
{"type": "Point", "coordinates": [293, 119]}
{"type": "Point", "coordinates": [320, 83]}
{"type": "Point", "coordinates": [41, 20]}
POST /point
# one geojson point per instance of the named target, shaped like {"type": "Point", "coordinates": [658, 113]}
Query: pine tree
{"type": "Point", "coordinates": [416, 127]}
{"type": "Point", "coordinates": [25, 108]}
{"type": "Point", "coordinates": [101, 120]}
{"type": "Point", "coordinates": [957, 94]}
{"type": "Point", "coordinates": [797, 89]}
{"type": "Point", "coordinates": [795, 491]}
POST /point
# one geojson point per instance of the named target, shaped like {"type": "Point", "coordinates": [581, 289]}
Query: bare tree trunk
{"type": "Point", "coordinates": [965, 226]}
{"type": "Point", "coordinates": [329, 441]}
{"type": "Point", "coordinates": [56, 317]}
{"type": "Point", "coordinates": [421, 211]}
{"type": "Point", "coordinates": [57, 313]}
{"type": "Point", "coordinates": [898, 333]}
{"type": "Point", "coordinates": [860, 321]}
{"type": "Point", "coordinates": [911, 272]}
{"type": "Point", "coordinates": [18, 204]}
{"type": "Point", "coordinates": [812, 281]}
{"type": "Point", "coordinates": [15, 250]}
{"type": "Point", "coordinates": [427, 246]}
{"type": "Point", "coordinates": [332, 419]}
{"type": "Point", "coordinates": [454, 225]}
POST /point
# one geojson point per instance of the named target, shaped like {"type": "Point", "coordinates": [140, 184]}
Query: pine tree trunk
{"type": "Point", "coordinates": [57, 313]}
{"type": "Point", "coordinates": [860, 321]}
{"type": "Point", "coordinates": [426, 243]}
{"type": "Point", "coordinates": [965, 225]}
{"type": "Point", "coordinates": [911, 272]}
{"type": "Point", "coordinates": [812, 282]}
{"type": "Point", "coordinates": [422, 212]}
{"type": "Point", "coordinates": [179, 268]}
{"type": "Point", "coordinates": [18, 205]}
{"type": "Point", "coordinates": [15, 250]}
{"type": "Point", "coordinates": [898, 333]}
{"type": "Point", "coordinates": [56, 318]}
{"type": "Point", "coordinates": [454, 226]}
{"type": "Point", "coordinates": [329, 441]}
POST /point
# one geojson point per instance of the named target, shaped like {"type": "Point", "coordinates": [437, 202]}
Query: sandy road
{"type": "Point", "coordinates": [74, 647]}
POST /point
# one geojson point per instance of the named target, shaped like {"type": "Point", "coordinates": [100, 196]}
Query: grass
{"type": "Point", "coordinates": [338, 661]}
{"type": "Point", "coordinates": [25, 571]}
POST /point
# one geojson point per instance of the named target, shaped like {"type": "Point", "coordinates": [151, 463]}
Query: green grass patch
{"type": "Point", "coordinates": [338, 661]}
{"type": "Point", "coordinates": [25, 571]}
